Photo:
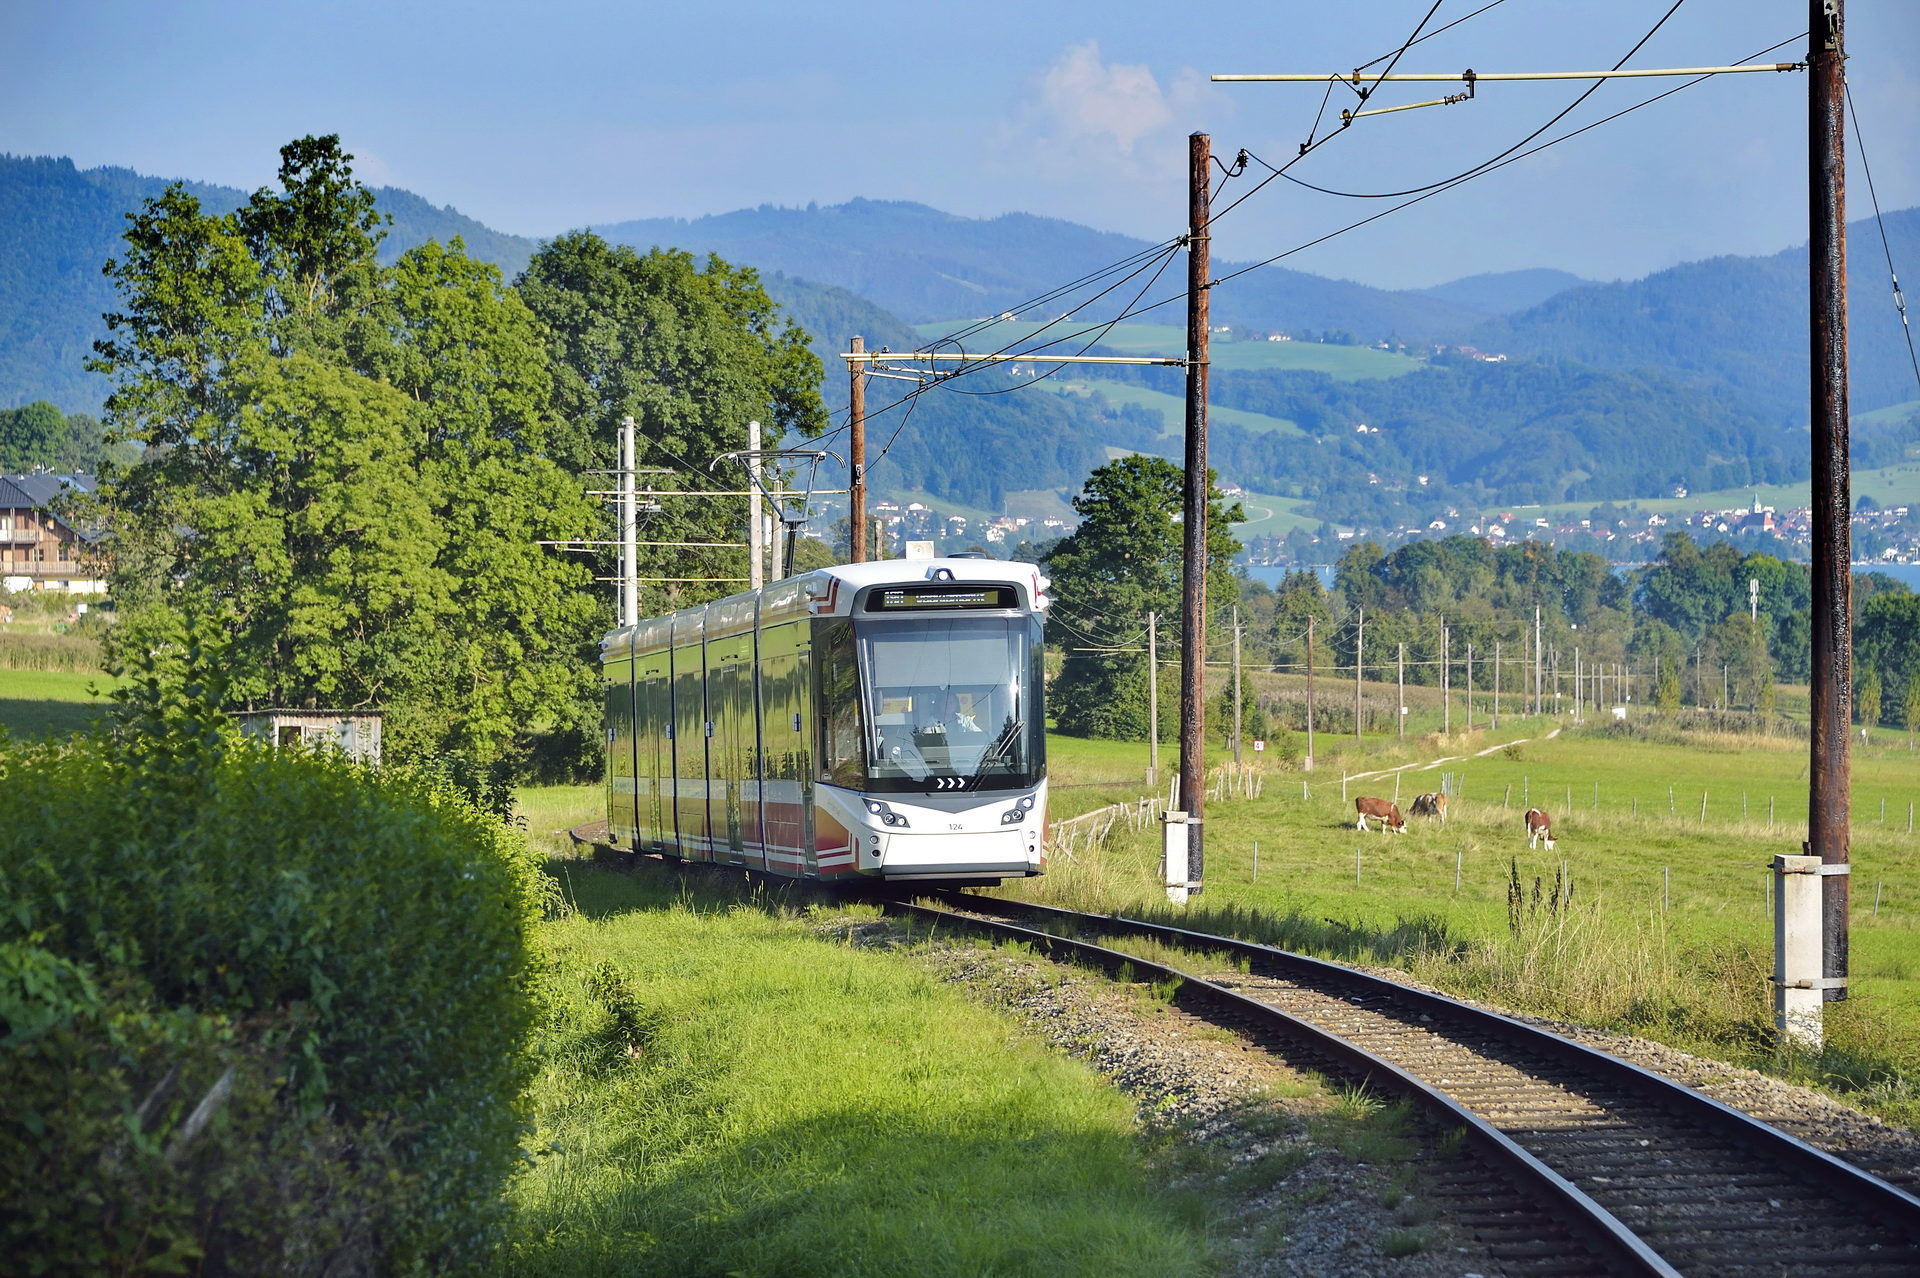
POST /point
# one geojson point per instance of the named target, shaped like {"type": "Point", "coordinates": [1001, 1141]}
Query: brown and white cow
{"type": "Point", "coordinates": [1386, 810]}
{"type": "Point", "coordinates": [1539, 826]}
{"type": "Point", "coordinates": [1433, 805]}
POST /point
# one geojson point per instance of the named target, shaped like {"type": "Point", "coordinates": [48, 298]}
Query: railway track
{"type": "Point", "coordinates": [1608, 1168]}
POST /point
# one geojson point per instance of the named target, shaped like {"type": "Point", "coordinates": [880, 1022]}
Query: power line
{"type": "Point", "coordinates": [1470, 175]}
{"type": "Point", "coordinates": [1563, 113]}
{"type": "Point", "coordinates": [1899, 298]}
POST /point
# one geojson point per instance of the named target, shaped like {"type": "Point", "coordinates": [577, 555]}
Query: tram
{"type": "Point", "coordinates": [876, 721]}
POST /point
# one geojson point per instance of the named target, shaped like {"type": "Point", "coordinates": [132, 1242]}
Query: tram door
{"type": "Point", "coordinates": [730, 706]}
{"type": "Point", "coordinates": [786, 784]}
{"type": "Point", "coordinates": [690, 728]}
{"type": "Point", "coordinates": [653, 744]}
{"type": "Point", "coordinates": [618, 687]}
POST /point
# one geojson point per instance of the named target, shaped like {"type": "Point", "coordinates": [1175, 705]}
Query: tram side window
{"type": "Point", "coordinates": [838, 680]}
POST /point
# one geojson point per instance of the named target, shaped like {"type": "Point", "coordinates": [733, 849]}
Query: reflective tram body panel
{"type": "Point", "coordinates": [872, 720]}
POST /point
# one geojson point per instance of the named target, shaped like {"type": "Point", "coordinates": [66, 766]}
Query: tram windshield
{"type": "Point", "coordinates": [948, 702]}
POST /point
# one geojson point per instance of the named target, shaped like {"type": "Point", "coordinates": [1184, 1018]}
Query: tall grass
{"type": "Point", "coordinates": [42, 650]}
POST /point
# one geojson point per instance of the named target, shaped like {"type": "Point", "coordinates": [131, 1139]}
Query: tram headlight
{"type": "Point", "coordinates": [1018, 812]}
{"type": "Point", "coordinates": [887, 815]}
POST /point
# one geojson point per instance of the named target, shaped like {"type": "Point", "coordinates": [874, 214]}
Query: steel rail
{"type": "Point", "coordinates": [1869, 1192]}
{"type": "Point", "coordinates": [1614, 1244]}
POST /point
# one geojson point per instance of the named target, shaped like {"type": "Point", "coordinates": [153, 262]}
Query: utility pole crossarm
{"type": "Point", "coordinates": [1470, 77]}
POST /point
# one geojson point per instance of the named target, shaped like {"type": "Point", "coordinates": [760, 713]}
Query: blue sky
{"type": "Point", "coordinates": [535, 119]}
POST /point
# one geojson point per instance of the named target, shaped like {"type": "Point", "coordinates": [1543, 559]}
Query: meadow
{"type": "Point", "coordinates": [51, 703]}
{"type": "Point", "coordinates": [728, 1085]}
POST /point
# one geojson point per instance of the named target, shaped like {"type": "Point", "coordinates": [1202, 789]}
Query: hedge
{"type": "Point", "coordinates": [331, 961]}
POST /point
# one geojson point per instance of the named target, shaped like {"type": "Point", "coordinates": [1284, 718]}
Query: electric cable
{"type": "Point", "coordinates": [1586, 93]}
{"type": "Point", "coordinates": [1482, 172]}
{"type": "Point", "coordinates": [1899, 298]}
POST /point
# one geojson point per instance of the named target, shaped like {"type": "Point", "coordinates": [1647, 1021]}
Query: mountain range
{"type": "Point", "coordinates": [1692, 375]}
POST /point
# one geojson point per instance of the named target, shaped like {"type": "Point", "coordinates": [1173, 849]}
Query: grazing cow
{"type": "Point", "coordinates": [1433, 805]}
{"type": "Point", "coordinates": [1539, 826]}
{"type": "Point", "coordinates": [1386, 810]}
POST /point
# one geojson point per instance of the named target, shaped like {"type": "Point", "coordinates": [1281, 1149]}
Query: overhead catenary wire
{"type": "Point", "coordinates": [1509, 156]}
{"type": "Point", "coordinates": [1555, 119]}
{"type": "Point", "coordinates": [1899, 298]}
{"type": "Point", "coordinates": [1137, 260]}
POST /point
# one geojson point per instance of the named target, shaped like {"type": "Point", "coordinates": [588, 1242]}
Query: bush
{"type": "Point", "coordinates": [351, 944]}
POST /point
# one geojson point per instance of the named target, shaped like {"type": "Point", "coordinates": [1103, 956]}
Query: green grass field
{"type": "Point", "coordinates": [726, 1088]}
{"type": "Point", "coordinates": [1343, 363]}
{"type": "Point", "coordinates": [51, 703]}
{"type": "Point", "coordinates": [1172, 409]}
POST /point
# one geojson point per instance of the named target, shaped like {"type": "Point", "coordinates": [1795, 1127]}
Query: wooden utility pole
{"type": "Point", "coordinates": [1153, 698]}
{"type": "Point", "coordinates": [857, 451]}
{"type": "Point", "coordinates": [1236, 685]}
{"type": "Point", "coordinates": [1446, 671]}
{"type": "Point", "coordinates": [1496, 685]}
{"type": "Point", "coordinates": [1359, 663]}
{"type": "Point", "coordinates": [1829, 771]}
{"type": "Point", "coordinates": [1193, 628]}
{"type": "Point", "coordinates": [1400, 711]}
{"type": "Point", "coordinates": [1310, 621]}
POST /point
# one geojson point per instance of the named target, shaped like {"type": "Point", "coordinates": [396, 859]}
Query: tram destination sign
{"type": "Point", "coordinates": [926, 598]}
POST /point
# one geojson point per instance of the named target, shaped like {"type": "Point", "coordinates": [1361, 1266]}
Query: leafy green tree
{"type": "Point", "coordinates": [1738, 646]}
{"type": "Point", "coordinates": [1866, 701]}
{"type": "Point", "coordinates": [692, 356]}
{"type": "Point", "coordinates": [30, 436]}
{"type": "Point", "coordinates": [1886, 641]}
{"type": "Point", "coordinates": [343, 467]}
{"type": "Point", "coordinates": [1910, 705]}
{"type": "Point", "coordinates": [1666, 687]}
{"type": "Point", "coordinates": [1123, 562]}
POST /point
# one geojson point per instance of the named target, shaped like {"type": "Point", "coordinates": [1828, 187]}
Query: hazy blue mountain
{"type": "Point", "coordinates": [1503, 292]}
{"type": "Point", "coordinates": [925, 265]}
{"type": "Point", "coordinates": [1706, 361]}
{"type": "Point", "coordinates": [58, 227]}
{"type": "Point", "coordinates": [1737, 325]}
{"type": "Point", "coordinates": [964, 446]}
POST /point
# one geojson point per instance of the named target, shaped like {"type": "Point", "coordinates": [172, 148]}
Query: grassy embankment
{"type": "Point", "coordinates": [1668, 931]}
{"type": "Point", "coordinates": [726, 1089]}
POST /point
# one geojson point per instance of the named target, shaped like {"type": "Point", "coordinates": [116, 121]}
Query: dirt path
{"type": "Point", "coordinates": [1420, 765]}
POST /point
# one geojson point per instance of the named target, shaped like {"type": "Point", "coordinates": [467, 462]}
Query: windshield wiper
{"type": "Point", "coordinates": [1001, 744]}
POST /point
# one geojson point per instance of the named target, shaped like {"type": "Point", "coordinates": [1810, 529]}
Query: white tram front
{"type": "Point", "coordinates": [882, 720]}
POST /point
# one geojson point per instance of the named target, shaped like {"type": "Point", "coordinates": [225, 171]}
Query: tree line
{"type": "Point", "coordinates": [368, 480]}
{"type": "Point", "coordinates": [1700, 625]}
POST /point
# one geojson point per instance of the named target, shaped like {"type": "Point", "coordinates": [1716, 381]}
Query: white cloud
{"type": "Point", "coordinates": [1083, 98]}
{"type": "Point", "coordinates": [1106, 140]}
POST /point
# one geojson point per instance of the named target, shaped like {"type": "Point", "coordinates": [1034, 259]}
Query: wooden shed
{"type": "Point", "coordinates": [357, 732]}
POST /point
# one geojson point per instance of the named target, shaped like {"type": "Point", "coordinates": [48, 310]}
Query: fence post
{"type": "Point", "coordinates": [1356, 867]}
{"type": "Point", "coordinates": [1507, 798]}
{"type": "Point", "coordinates": [1877, 885]}
{"type": "Point", "coordinates": [1256, 860]}
{"type": "Point", "coordinates": [1458, 854]}
{"type": "Point", "coordinates": [1703, 807]}
{"type": "Point", "coordinates": [1666, 888]}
